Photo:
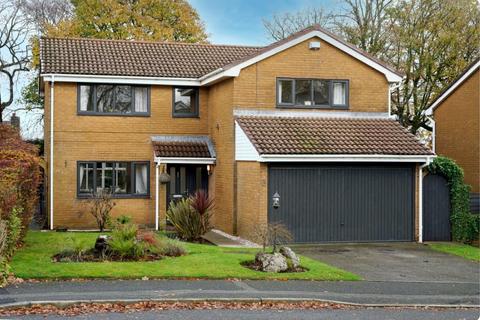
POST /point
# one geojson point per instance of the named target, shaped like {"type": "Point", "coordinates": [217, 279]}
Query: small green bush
{"type": "Point", "coordinates": [125, 231]}
{"type": "Point", "coordinates": [191, 217]}
{"type": "Point", "coordinates": [124, 219]}
{"type": "Point", "coordinates": [465, 225]}
{"type": "Point", "coordinates": [171, 248]}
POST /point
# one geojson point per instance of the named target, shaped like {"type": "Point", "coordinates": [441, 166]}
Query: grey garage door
{"type": "Point", "coordinates": [321, 203]}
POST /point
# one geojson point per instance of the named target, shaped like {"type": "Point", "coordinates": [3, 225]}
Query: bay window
{"type": "Point", "coordinates": [312, 93]}
{"type": "Point", "coordinates": [109, 99]}
{"type": "Point", "coordinates": [122, 178]}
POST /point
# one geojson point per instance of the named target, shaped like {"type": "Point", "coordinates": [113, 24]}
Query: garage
{"type": "Point", "coordinates": [344, 202]}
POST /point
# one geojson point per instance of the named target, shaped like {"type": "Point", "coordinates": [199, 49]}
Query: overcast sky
{"type": "Point", "coordinates": [227, 22]}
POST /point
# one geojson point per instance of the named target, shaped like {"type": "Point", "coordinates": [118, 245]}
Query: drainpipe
{"type": "Point", "coordinates": [157, 165]}
{"type": "Point", "coordinates": [52, 97]}
{"type": "Point", "coordinates": [420, 200]}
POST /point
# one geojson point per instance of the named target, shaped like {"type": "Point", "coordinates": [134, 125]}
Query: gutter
{"type": "Point", "coordinates": [52, 106]}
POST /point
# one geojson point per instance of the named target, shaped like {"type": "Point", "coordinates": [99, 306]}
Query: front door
{"type": "Point", "coordinates": [185, 179]}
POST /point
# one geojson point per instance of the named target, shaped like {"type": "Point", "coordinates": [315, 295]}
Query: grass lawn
{"type": "Point", "coordinates": [462, 250]}
{"type": "Point", "coordinates": [33, 261]}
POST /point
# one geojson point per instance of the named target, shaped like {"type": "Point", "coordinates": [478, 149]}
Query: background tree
{"type": "Point", "coordinates": [431, 41]}
{"type": "Point", "coordinates": [281, 26]}
{"type": "Point", "coordinates": [166, 20]}
{"type": "Point", "coordinates": [14, 52]}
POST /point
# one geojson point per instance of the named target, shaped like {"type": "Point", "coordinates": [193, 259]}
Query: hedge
{"type": "Point", "coordinates": [465, 225]}
{"type": "Point", "coordinates": [19, 180]}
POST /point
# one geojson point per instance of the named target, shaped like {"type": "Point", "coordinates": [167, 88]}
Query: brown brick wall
{"type": "Point", "coordinates": [256, 85]}
{"type": "Point", "coordinates": [110, 138]}
{"type": "Point", "coordinates": [457, 133]}
{"type": "Point", "coordinates": [221, 130]}
{"type": "Point", "coordinates": [128, 138]}
{"type": "Point", "coordinates": [252, 195]}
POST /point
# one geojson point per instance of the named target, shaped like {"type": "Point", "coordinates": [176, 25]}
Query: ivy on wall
{"type": "Point", "coordinates": [465, 225]}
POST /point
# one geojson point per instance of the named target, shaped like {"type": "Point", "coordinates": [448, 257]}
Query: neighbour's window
{"type": "Point", "coordinates": [312, 93]}
{"type": "Point", "coordinates": [185, 102]}
{"type": "Point", "coordinates": [107, 99]}
{"type": "Point", "coordinates": [119, 178]}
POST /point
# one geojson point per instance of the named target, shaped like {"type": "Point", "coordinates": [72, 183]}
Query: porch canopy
{"type": "Point", "coordinates": [183, 149]}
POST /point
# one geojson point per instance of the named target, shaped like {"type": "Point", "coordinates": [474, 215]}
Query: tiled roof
{"type": "Point", "coordinates": [156, 59]}
{"type": "Point", "coordinates": [182, 147]}
{"type": "Point", "coordinates": [295, 135]}
{"type": "Point", "coordinates": [136, 58]}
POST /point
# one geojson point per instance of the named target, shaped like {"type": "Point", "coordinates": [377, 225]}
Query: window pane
{"type": "Point", "coordinates": [122, 177]}
{"type": "Point", "coordinates": [339, 93]}
{"type": "Point", "coordinates": [185, 100]}
{"type": "Point", "coordinates": [303, 92]}
{"type": "Point", "coordinates": [285, 91]}
{"type": "Point", "coordinates": [105, 96]}
{"type": "Point", "coordinates": [123, 96]}
{"type": "Point", "coordinates": [141, 179]}
{"type": "Point", "coordinates": [320, 92]}
{"type": "Point", "coordinates": [86, 98]}
{"type": "Point", "coordinates": [104, 176]}
{"type": "Point", "coordinates": [141, 99]}
{"type": "Point", "coordinates": [86, 178]}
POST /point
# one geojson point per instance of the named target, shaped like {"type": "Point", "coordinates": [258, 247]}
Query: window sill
{"type": "Point", "coordinates": [194, 116]}
{"type": "Point", "coordinates": [285, 106]}
{"type": "Point", "coordinates": [117, 196]}
{"type": "Point", "coordinates": [144, 115]}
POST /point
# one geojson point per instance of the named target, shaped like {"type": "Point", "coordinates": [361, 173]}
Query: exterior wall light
{"type": "Point", "coordinates": [276, 200]}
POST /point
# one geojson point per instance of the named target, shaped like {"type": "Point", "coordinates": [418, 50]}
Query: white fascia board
{"type": "Point", "coordinates": [457, 83]}
{"type": "Point", "coordinates": [344, 158]}
{"type": "Point", "coordinates": [185, 160]}
{"type": "Point", "coordinates": [121, 79]}
{"type": "Point", "coordinates": [244, 149]}
{"type": "Point", "coordinates": [310, 114]}
{"type": "Point", "coordinates": [235, 70]}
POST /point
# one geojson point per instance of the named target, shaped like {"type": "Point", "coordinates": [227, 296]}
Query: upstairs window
{"type": "Point", "coordinates": [185, 102]}
{"type": "Point", "coordinates": [123, 179]}
{"type": "Point", "coordinates": [312, 93]}
{"type": "Point", "coordinates": [108, 99]}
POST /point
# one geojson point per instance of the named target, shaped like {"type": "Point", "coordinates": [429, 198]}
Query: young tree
{"type": "Point", "coordinates": [14, 53]}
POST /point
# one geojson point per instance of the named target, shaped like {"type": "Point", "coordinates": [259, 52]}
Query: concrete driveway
{"type": "Point", "coordinates": [406, 262]}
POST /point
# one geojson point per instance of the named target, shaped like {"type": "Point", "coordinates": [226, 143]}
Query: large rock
{"type": "Point", "coordinates": [101, 244]}
{"type": "Point", "coordinates": [290, 255]}
{"type": "Point", "coordinates": [271, 262]}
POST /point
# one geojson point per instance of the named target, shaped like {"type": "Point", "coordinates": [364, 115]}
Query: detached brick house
{"type": "Point", "coordinates": [456, 112]}
{"type": "Point", "coordinates": [305, 119]}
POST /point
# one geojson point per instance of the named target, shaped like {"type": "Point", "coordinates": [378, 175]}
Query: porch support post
{"type": "Point", "coordinates": [157, 165]}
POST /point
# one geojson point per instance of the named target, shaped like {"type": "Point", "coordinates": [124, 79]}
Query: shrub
{"type": "Point", "coordinates": [20, 176]}
{"type": "Point", "coordinates": [191, 217]}
{"type": "Point", "coordinates": [271, 234]}
{"type": "Point", "coordinates": [99, 206]}
{"type": "Point", "coordinates": [11, 231]}
{"type": "Point", "coordinates": [125, 231]}
{"type": "Point", "coordinates": [465, 226]}
{"type": "Point", "coordinates": [124, 219]}
{"type": "Point", "coordinates": [171, 248]}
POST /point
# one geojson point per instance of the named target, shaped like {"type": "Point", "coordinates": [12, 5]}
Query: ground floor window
{"type": "Point", "coordinates": [122, 178]}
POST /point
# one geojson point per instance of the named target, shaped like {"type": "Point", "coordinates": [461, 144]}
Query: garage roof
{"type": "Point", "coordinates": [303, 136]}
